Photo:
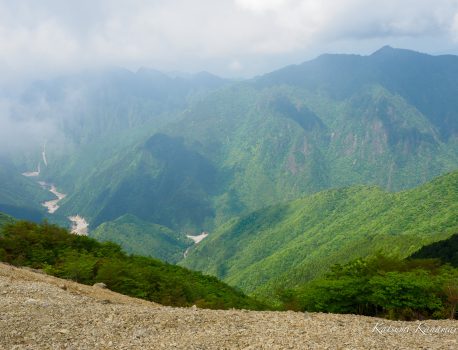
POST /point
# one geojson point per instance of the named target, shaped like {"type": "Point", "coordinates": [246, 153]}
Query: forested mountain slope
{"type": "Point", "coordinates": [331, 122]}
{"type": "Point", "coordinates": [287, 244]}
{"type": "Point", "coordinates": [190, 154]}
{"type": "Point", "coordinates": [446, 251]}
{"type": "Point", "coordinates": [141, 237]}
{"type": "Point", "coordinates": [84, 260]}
{"type": "Point", "coordinates": [20, 196]}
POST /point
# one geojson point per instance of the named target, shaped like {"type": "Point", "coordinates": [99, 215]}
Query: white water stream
{"type": "Point", "coordinates": [52, 205]}
{"type": "Point", "coordinates": [79, 224]}
{"type": "Point", "coordinates": [197, 239]}
{"type": "Point", "coordinates": [32, 173]}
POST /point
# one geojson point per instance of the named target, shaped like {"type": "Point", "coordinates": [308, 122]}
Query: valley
{"type": "Point", "coordinates": [292, 243]}
{"type": "Point", "coordinates": [51, 205]}
{"type": "Point", "coordinates": [247, 145]}
{"type": "Point", "coordinates": [196, 239]}
{"type": "Point", "coordinates": [291, 172]}
{"type": "Point", "coordinates": [242, 174]}
{"type": "Point", "coordinates": [79, 224]}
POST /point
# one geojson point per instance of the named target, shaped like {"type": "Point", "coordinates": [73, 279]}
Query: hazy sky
{"type": "Point", "coordinates": [237, 38]}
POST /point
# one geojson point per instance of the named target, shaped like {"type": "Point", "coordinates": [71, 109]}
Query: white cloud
{"type": "Point", "coordinates": [52, 35]}
{"type": "Point", "coordinates": [454, 28]}
{"type": "Point", "coordinates": [21, 129]}
{"type": "Point", "coordinates": [260, 6]}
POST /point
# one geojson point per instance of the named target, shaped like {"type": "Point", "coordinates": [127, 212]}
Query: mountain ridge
{"type": "Point", "coordinates": [291, 243]}
{"type": "Point", "coordinates": [191, 160]}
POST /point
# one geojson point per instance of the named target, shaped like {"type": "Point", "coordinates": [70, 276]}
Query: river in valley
{"type": "Point", "coordinates": [197, 239]}
{"type": "Point", "coordinates": [79, 225]}
{"type": "Point", "coordinates": [52, 205]}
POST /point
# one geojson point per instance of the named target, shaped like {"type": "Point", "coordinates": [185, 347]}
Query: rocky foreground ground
{"type": "Point", "coordinates": [42, 312]}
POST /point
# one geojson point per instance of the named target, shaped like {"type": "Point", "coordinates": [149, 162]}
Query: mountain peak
{"type": "Point", "coordinates": [389, 51]}
{"type": "Point", "coordinates": [384, 50]}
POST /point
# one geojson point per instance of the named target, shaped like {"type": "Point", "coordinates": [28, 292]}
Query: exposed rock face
{"type": "Point", "coordinates": [37, 313]}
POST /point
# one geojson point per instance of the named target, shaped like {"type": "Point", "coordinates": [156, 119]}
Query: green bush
{"type": "Point", "coordinates": [83, 259]}
{"type": "Point", "coordinates": [381, 286]}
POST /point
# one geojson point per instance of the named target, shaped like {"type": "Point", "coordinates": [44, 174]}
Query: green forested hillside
{"type": "Point", "coordinates": [191, 153]}
{"type": "Point", "coordinates": [143, 238]}
{"type": "Point", "coordinates": [83, 259]}
{"type": "Point", "coordinates": [426, 82]}
{"type": "Point", "coordinates": [446, 251]}
{"type": "Point", "coordinates": [405, 289]}
{"type": "Point", "coordinates": [5, 219]}
{"type": "Point", "coordinates": [335, 121]}
{"type": "Point", "coordinates": [294, 242]}
{"type": "Point", "coordinates": [290, 172]}
{"type": "Point", "coordinates": [20, 196]}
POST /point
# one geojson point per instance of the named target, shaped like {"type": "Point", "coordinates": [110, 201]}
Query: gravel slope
{"type": "Point", "coordinates": [43, 312]}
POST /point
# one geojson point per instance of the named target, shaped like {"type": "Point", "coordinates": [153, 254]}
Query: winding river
{"type": "Point", "coordinates": [52, 205]}
{"type": "Point", "coordinates": [79, 225]}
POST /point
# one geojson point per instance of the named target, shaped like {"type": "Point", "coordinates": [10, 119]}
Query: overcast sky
{"type": "Point", "coordinates": [233, 38]}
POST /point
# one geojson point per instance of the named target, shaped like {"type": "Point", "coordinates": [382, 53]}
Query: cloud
{"type": "Point", "coordinates": [454, 28]}
{"type": "Point", "coordinates": [21, 130]}
{"type": "Point", "coordinates": [260, 6]}
{"type": "Point", "coordinates": [39, 115]}
{"type": "Point", "coordinates": [41, 37]}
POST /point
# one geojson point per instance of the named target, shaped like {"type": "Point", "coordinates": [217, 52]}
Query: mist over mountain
{"type": "Point", "coordinates": [287, 158]}
{"type": "Point", "coordinates": [190, 152]}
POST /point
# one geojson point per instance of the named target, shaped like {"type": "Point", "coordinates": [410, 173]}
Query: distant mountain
{"type": "Point", "coordinates": [94, 104]}
{"type": "Point", "coordinates": [425, 82]}
{"type": "Point", "coordinates": [291, 243]}
{"type": "Point", "coordinates": [161, 181]}
{"type": "Point", "coordinates": [104, 119]}
{"type": "Point", "coordinates": [335, 121]}
{"type": "Point", "coordinates": [191, 152]}
{"type": "Point", "coordinates": [331, 122]}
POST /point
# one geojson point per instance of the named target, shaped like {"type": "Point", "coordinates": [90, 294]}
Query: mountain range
{"type": "Point", "coordinates": [289, 172]}
{"type": "Point", "coordinates": [387, 119]}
